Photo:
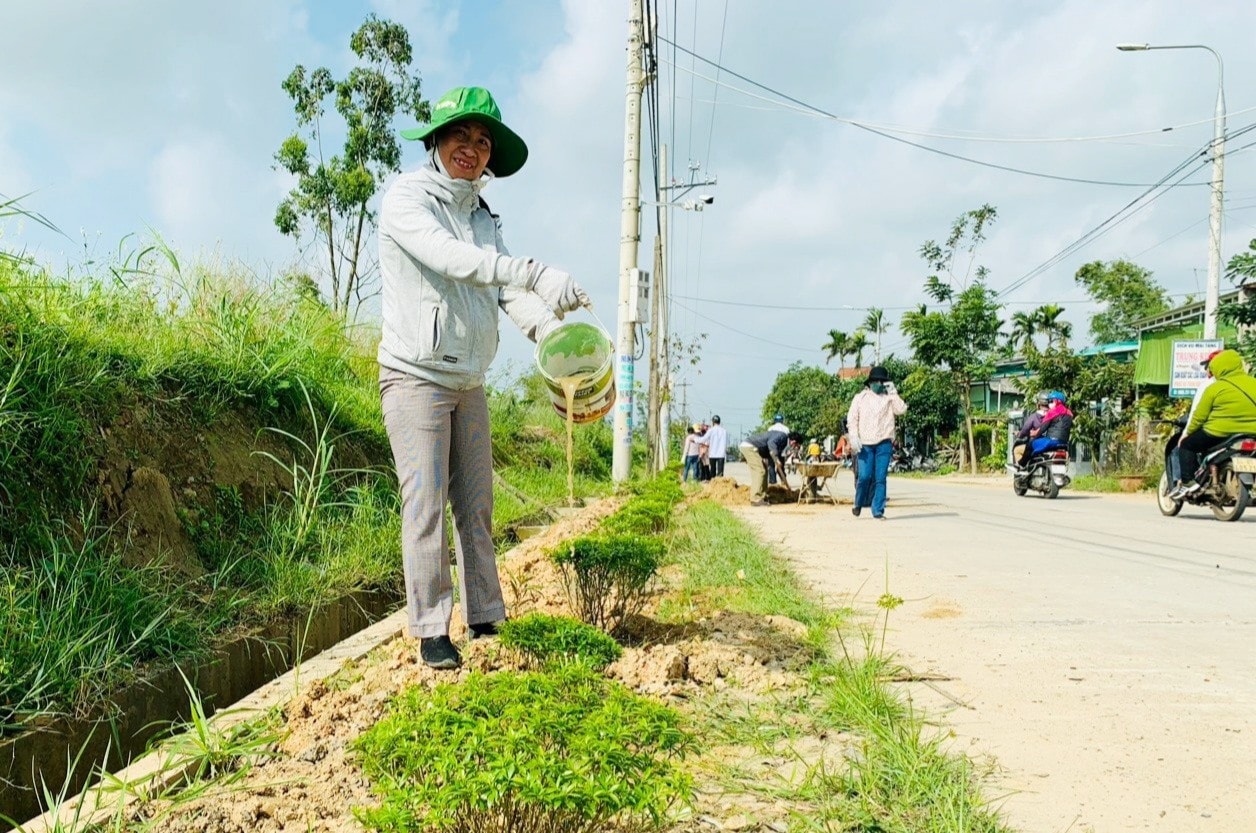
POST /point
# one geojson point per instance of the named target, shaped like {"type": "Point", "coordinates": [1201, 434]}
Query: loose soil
{"type": "Point", "coordinates": [313, 783]}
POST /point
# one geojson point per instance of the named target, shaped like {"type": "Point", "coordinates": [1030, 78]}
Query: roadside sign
{"type": "Point", "coordinates": [1188, 376]}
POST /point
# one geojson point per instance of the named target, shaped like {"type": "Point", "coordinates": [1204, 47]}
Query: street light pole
{"type": "Point", "coordinates": [1212, 299]}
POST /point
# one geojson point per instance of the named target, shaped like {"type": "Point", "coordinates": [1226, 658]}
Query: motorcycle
{"type": "Point", "coordinates": [1045, 473]}
{"type": "Point", "coordinates": [1227, 472]}
{"type": "Point", "coordinates": [901, 460]}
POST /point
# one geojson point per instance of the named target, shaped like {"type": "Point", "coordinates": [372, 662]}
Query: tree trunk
{"type": "Point", "coordinates": [968, 425]}
{"type": "Point", "coordinates": [352, 279]}
{"type": "Point", "coordinates": [331, 261]}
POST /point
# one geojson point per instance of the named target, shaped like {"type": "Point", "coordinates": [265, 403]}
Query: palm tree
{"type": "Point", "coordinates": [877, 324]}
{"type": "Point", "coordinates": [857, 344]}
{"type": "Point", "coordinates": [837, 345]}
{"type": "Point", "coordinates": [1047, 319]}
{"type": "Point", "coordinates": [1024, 328]}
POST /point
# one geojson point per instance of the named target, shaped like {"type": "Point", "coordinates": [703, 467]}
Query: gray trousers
{"type": "Point", "coordinates": [444, 454]}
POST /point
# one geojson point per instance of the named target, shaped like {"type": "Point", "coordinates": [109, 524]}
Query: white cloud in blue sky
{"type": "Point", "coordinates": [126, 115]}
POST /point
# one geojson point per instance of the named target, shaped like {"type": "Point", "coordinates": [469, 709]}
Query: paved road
{"type": "Point", "coordinates": [1102, 655]}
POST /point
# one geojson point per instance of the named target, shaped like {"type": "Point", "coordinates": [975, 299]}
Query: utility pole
{"type": "Point", "coordinates": [660, 383]}
{"type": "Point", "coordinates": [629, 236]}
{"type": "Point", "coordinates": [653, 395]}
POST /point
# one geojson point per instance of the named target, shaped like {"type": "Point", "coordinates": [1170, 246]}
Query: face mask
{"type": "Point", "coordinates": [878, 387]}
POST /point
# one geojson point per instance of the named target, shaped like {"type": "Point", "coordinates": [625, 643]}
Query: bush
{"type": "Point", "coordinates": [606, 577]}
{"type": "Point", "coordinates": [555, 640]}
{"type": "Point", "coordinates": [558, 752]}
{"type": "Point", "coordinates": [649, 510]}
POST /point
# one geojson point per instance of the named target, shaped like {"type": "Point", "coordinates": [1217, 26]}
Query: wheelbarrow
{"type": "Point", "coordinates": [815, 481]}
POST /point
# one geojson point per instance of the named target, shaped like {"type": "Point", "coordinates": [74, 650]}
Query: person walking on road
{"type": "Point", "coordinates": [761, 451]}
{"type": "Point", "coordinates": [715, 440]}
{"type": "Point", "coordinates": [870, 425]}
{"type": "Point", "coordinates": [445, 274]}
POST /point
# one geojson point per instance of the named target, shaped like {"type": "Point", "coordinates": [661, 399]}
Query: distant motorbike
{"type": "Point", "coordinates": [1045, 473]}
{"type": "Point", "coordinates": [1226, 472]}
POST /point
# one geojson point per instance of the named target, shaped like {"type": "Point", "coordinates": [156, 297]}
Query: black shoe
{"type": "Point", "coordinates": [855, 510]}
{"type": "Point", "coordinates": [879, 517]}
{"type": "Point", "coordinates": [484, 630]}
{"type": "Point", "coordinates": [438, 652]}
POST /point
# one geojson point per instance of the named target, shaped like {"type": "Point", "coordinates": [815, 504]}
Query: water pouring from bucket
{"type": "Point", "coordinates": [577, 362]}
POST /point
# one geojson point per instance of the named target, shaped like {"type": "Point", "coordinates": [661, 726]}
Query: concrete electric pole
{"type": "Point", "coordinates": [629, 236]}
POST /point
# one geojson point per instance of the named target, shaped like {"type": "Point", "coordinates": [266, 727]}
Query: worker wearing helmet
{"type": "Point", "coordinates": [1057, 426]}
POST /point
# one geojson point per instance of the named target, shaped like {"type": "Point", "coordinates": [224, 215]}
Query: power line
{"type": "Point", "coordinates": [973, 136]}
{"type": "Point", "coordinates": [885, 135]}
{"type": "Point", "coordinates": [743, 332]}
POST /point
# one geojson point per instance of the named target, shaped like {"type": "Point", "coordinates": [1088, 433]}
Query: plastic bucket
{"type": "Point", "coordinates": [585, 350]}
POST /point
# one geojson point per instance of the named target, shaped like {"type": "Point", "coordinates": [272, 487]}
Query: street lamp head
{"type": "Point", "coordinates": [1133, 47]}
{"type": "Point", "coordinates": [706, 198]}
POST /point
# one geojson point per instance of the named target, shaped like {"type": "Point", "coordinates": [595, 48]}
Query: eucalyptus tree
{"type": "Point", "coordinates": [329, 206]}
{"type": "Point", "coordinates": [961, 336]}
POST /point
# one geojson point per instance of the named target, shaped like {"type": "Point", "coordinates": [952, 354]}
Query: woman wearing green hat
{"type": "Point", "coordinates": [446, 273]}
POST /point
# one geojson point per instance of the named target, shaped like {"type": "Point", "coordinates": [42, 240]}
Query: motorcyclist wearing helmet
{"type": "Point", "coordinates": [1054, 432]}
{"type": "Point", "coordinates": [1033, 424]}
{"type": "Point", "coordinates": [1227, 407]}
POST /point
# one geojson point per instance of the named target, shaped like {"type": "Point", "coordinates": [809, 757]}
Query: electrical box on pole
{"type": "Point", "coordinates": [639, 302]}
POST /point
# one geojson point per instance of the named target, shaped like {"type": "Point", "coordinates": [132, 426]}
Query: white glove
{"type": "Point", "coordinates": [559, 290]}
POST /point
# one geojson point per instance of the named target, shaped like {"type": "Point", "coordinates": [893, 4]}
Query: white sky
{"type": "Point", "coordinates": [135, 114]}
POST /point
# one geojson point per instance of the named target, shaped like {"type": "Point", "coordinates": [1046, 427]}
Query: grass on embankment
{"type": "Point", "coordinates": [192, 345]}
{"type": "Point", "coordinates": [902, 778]}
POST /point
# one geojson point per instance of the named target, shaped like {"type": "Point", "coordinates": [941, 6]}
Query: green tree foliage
{"type": "Point", "coordinates": [799, 394]}
{"type": "Point", "coordinates": [838, 345]}
{"type": "Point", "coordinates": [329, 203]}
{"type": "Point", "coordinates": [877, 325]}
{"type": "Point", "coordinates": [1086, 379]}
{"type": "Point", "coordinates": [959, 338]}
{"type": "Point", "coordinates": [1048, 322]}
{"type": "Point", "coordinates": [1242, 269]}
{"type": "Point", "coordinates": [857, 344]}
{"type": "Point", "coordinates": [1127, 291]}
{"type": "Point", "coordinates": [1021, 337]}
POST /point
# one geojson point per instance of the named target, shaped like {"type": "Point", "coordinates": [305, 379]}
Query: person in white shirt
{"type": "Point", "coordinates": [870, 423]}
{"type": "Point", "coordinates": [689, 453]}
{"type": "Point", "coordinates": [716, 442]}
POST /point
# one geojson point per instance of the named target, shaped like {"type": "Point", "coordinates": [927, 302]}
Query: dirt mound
{"type": "Point", "coordinates": [727, 491]}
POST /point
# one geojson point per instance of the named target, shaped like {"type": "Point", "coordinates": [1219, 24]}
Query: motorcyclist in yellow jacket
{"type": "Point", "coordinates": [1226, 408]}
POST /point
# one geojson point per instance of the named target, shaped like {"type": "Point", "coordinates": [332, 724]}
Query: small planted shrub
{"type": "Point", "coordinates": [607, 577]}
{"type": "Point", "coordinates": [551, 640]}
{"type": "Point", "coordinates": [639, 517]}
{"type": "Point", "coordinates": [565, 751]}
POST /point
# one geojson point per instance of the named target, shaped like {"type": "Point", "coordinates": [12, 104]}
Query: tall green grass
{"type": "Point", "coordinates": [193, 342]}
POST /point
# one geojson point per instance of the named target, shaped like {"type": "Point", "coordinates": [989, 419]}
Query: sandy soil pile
{"type": "Point", "coordinates": [312, 783]}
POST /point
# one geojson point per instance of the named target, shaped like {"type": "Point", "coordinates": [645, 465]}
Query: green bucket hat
{"type": "Point", "coordinates": [462, 103]}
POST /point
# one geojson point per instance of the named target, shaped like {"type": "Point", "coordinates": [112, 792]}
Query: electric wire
{"type": "Point", "coordinates": [810, 110]}
{"type": "Point", "coordinates": [886, 135]}
{"type": "Point", "coordinates": [742, 332]}
{"type": "Point", "coordinates": [1125, 212]}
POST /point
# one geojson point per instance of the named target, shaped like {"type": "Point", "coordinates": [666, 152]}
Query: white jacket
{"type": "Point", "coordinates": [445, 273]}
